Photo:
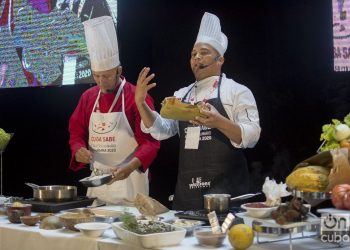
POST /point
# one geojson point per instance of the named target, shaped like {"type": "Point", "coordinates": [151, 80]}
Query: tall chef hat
{"type": "Point", "coordinates": [102, 43]}
{"type": "Point", "coordinates": [210, 33]}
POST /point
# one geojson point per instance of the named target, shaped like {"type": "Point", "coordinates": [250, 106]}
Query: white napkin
{"type": "Point", "coordinates": [274, 192]}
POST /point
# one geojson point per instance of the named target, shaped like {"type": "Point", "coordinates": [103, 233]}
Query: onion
{"type": "Point", "coordinates": [341, 132]}
{"type": "Point", "coordinates": [341, 196]}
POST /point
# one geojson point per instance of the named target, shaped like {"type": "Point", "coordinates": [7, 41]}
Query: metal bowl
{"type": "Point", "coordinates": [97, 180]}
{"type": "Point", "coordinates": [313, 198]}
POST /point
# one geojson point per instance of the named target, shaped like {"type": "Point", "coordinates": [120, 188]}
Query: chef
{"type": "Point", "coordinates": [105, 126]}
{"type": "Point", "coordinates": [211, 147]}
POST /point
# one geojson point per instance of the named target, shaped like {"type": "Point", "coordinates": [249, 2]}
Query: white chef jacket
{"type": "Point", "coordinates": [238, 102]}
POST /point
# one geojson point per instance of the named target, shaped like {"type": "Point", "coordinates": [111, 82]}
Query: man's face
{"type": "Point", "coordinates": [107, 80]}
{"type": "Point", "coordinates": [205, 61]}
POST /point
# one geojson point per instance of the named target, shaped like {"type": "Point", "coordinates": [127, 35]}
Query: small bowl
{"type": "Point", "coordinates": [258, 209]}
{"type": "Point", "coordinates": [207, 238]}
{"type": "Point", "coordinates": [30, 220]}
{"type": "Point", "coordinates": [92, 229]}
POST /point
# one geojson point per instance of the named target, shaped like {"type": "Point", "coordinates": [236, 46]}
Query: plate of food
{"type": "Point", "coordinates": [188, 225]}
{"type": "Point", "coordinates": [258, 209]}
{"type": "Point", "coordinates": [287, 215]}
{"type": "Point", "coordinates": [147, 233]}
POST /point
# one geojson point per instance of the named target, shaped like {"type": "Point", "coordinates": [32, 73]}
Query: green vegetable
{"type": "Point", "coordinates": [129, 221]}
{"type": "Point", "coordinates": [4, 139]}
{"type": "Point", "coordinates": [143, 227]}
{"type": "Point", "coordinates": [327, 135]}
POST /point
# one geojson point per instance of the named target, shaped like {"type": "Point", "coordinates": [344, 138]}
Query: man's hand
{"type": "Point", "coordinates": [143, 85]}
{"type": "Point", "coordinates": [83, 155]}
{"type": "Point", "coordinates": [212, 116]}
{"type": "Point", "coordinates": [123, 171]}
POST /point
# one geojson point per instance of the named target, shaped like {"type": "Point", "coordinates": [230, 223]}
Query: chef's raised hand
{"type": "Point", "coordinates": [211, 117]}
{"type": "Point", "coordinates": [143, 85]}
{"type": "Point", "coordinates": [83, 155]}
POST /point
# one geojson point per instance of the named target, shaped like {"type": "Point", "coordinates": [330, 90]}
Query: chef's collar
{"type": "Point", "coordinates": [206, 82]}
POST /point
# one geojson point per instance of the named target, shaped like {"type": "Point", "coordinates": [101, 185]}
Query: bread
{"type": "Point", "coordinates": [174, 109]}
{"type": "Point", "coordinates": [149, 206]}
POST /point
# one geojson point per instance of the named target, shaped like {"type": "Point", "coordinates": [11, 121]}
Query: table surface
{"type": "Point", "coordinates": [20, 236]}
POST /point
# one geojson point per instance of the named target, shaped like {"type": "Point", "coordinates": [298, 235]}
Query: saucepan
{"type": "Point", "coordinates": [220, 203]}
{"type": "Point", "coordinates": [54, 193]}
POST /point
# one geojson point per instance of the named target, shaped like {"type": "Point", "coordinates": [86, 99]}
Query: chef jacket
{"type": "Point", "coordinates": [238, 102]}
{"type": "Point", "coordinates": [79, 123]}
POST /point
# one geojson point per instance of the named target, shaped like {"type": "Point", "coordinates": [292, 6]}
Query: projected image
{"type": "Point", "coordinates": [341, 34]}
{"type": "Point", "coordinates": [42, 42]}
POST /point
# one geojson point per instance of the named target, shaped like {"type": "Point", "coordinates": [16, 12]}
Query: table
{"type": "Point", "coordinates": [22, 237]}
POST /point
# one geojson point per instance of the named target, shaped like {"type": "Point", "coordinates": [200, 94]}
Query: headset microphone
{"type": "Point", "coordinates": [203, 66]}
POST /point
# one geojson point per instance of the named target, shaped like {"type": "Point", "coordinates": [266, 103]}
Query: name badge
{"type": "Point", "coordinates": [192, 137]}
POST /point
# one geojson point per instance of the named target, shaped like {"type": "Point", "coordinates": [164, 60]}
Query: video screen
{"type": "Point", "coordinates": [341, 34]}
{"type": "Point", "coordinates": [42, 42]}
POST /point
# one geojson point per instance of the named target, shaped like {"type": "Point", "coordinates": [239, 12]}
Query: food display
{"type": "Point", "coordinates": [188, 225]}
{"type": "Point", "coordinates": [309, 179]}
{"type": "Point", "coordinates": [172, 108]}
{"type": "Point", "coordinates": [341, 196]}
{"type": "Point", "coordinates": [130, 223]}
{"type": "Point", "coordinates": [147, 233]}
{"type": "Point", "coordinates": [336, 134]}
{"type": "Point", "coordinates": [69, 220]}
{"type": "Point", "coordinates": [292, 211]}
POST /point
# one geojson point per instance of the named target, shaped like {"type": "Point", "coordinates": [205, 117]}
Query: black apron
{"type": "Point", "coordinates": [215, 167]}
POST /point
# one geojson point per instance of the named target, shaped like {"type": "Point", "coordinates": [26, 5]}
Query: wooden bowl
{"type": "Point", "coordinates": [30, 220]}
{"type": "Point", "coordinates": [69, 220]}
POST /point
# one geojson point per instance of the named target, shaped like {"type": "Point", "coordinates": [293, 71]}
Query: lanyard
{"type": "Point", "coordinates": [193, 98]}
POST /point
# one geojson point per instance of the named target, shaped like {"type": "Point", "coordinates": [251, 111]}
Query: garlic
{"type": "Point", "coordinates": [341, 132]}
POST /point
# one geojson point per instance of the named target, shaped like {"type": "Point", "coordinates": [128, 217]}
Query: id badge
{"type": "Point", "coordinates": [192, 137]}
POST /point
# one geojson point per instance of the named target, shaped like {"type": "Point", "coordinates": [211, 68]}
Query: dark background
{"type": "Point", "coordinates": [281, 50]}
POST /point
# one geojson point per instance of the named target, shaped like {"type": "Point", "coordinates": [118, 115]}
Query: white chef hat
{"type": "Point", "coordinates": [210, 33]}
{"type": "Point", "coordinates": [102, 43]}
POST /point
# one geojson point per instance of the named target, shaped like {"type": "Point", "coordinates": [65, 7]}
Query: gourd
{"type": "Point", "coordinates": [51, 223]}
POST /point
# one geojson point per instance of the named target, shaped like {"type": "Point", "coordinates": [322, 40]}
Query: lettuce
{"type": "Point", "coordinates": [329, 142]}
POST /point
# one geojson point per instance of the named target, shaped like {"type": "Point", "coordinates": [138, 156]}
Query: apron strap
{"type": "Point", "coordinates": [117, 95]}
{"type": "Point", "coordinates": [115, 98]}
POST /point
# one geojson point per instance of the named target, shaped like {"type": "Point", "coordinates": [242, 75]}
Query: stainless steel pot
{"type": "Point", "coordinates": [220, 203]}
{"type": "Point", "coordinates": [55, 193]}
